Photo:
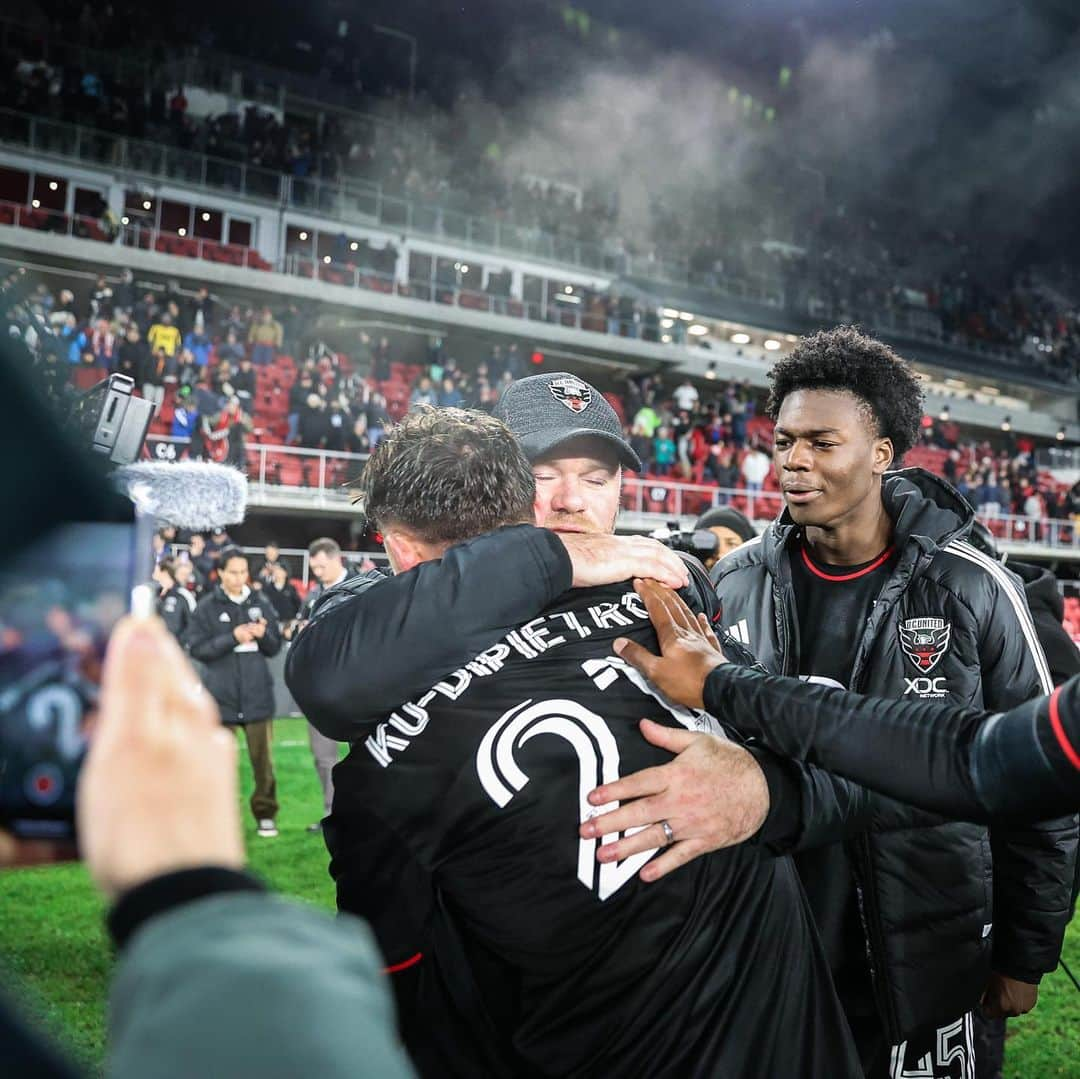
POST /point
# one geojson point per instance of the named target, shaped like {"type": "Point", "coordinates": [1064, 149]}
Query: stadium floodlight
{"type": "Point", "coordinates": [771, 344]}
{"type": "Point", "coordinates": [698, 330]}
{"type": "Point", "coordinates": [1006, 424]}
{"type": "Point", "coordinates": [740, 339]}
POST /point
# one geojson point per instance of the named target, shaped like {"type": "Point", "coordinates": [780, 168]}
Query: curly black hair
{"type": "Point", "coordinates": [846, 360]}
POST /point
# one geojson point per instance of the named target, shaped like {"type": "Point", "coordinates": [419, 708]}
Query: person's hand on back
{"type": "Point", "coordinates": [158, 792]}
{"type": "Point", "coordinates": [600, 559]}
{"type": "Point", "coordinates": [689, 649]}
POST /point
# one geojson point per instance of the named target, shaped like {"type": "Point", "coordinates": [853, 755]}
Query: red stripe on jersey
{"type": "Point", "coordinates": [881, 558]}
{"type": "Point", "coordinates": [404, 964]}
{"type": "Point", "coordinates": [1059, 731]}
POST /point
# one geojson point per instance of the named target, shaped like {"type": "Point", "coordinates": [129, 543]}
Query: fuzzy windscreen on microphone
{"type": "Point", "coordinates": [196, 495]}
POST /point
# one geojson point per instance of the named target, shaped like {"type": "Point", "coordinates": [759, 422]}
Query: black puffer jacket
{"type": "Point", "coordinates": [240, 682]}
{"type": "Point", "coordinates": [940, 905]}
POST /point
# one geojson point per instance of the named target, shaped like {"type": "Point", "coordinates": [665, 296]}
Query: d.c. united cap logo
{"type": "Point", "coordinates": [571, 392]}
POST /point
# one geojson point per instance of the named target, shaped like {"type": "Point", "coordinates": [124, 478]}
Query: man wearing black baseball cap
{"type": "Point", "coordinates": [575, 443]}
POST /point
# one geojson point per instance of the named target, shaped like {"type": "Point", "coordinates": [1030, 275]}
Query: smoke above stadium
{"type": "Point", "coordinates": [965, 111]}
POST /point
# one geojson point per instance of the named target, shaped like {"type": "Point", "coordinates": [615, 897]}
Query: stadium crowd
{"type": "Point", "coordinates": [834, 264]}
{"type": "Point", "coordinates": [223, 377]}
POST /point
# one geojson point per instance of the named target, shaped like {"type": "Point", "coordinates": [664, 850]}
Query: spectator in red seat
{"type": "Point", "coordinates": [313, 427]}
{"type": "Point", "coordinates": [663, 452]}
{"type": "Point", "coordinates": [101, 299]}
{"type": "Point", "coordinates": [642, 445]}
{"type": "Point", "coordinates": [186, 373]}
{"type": "Point", "coordinates": [755, 467]}
{"type": "Point", "coordinates": [185, 415]}
{"type": "Point", "coordinates": [131, 355]}
{"type": "Point", "coordinates": [230, 349]}
{"type": "Point", "coordinates": [424, 394]}
{"type": "Point", "coordinates": [685, 396]}
{"type": "Point", "coordinates": [243, 381]}
{"type": "Point", "coordinates": [198, 344]}
{"type": "Point", "coordinates": [152, 378]}
{"type": "Point", "coordinates": [357, 440]}
{"type": "Point", "coordinates": [337, 423]}
{"type": "Point", "coordinates": [265, 337]}
{"type": "Point", "coordinates": [378, 419]}
{"type": "Point", "coordinates": [450, 395]}
{"type": "Point", "coordinates": [299, 392]}
{"type": "Point", "coordinates": [124, 293]}
{"type": "Point", "coordinates": [145, 312]}
{"type": "Point", "coordinates": [203, 310]}
{"type": "Point", "coordinates": [103, 344]}
{"type": "Point", "coordinates": [164, 337]}
{"type": "Point", "coordinates": [381, 360]}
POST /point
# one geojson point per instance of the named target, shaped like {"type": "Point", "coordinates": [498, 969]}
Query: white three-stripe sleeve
{"type": "Point", "coordinates": [1009, 587]}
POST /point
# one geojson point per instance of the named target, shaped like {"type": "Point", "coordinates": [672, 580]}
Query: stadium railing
{"type": "Point", "coordinates": [430, 289]}
{"type": "Point", "coordinates": [347, 201]}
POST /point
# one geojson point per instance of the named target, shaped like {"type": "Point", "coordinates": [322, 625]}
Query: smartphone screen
{"type": "Point", "coordinates": [59, 602]}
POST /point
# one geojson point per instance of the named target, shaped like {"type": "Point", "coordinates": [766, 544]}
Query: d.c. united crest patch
{"type": "Point", "coordinates": [572, 392]}
{"type": "Point", "coordinates": [925, 641]}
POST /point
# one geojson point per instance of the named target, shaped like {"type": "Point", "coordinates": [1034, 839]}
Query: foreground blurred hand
{"type": "Point", "coordinates": [158, 792]}
{"type": "Point", "coordinates": [714, 793]}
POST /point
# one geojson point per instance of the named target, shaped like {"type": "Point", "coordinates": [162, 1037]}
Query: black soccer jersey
{"type": "Point", "coordinates": [714, 971]}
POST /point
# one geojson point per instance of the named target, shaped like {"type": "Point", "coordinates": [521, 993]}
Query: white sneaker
{"type": "Point", "coordinates": [267, 828]}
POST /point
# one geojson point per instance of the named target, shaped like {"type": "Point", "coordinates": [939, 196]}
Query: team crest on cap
{"type": "Point", "coordinates": [572, 392]}
{"type": "Point", "coordinates": [925, 641]}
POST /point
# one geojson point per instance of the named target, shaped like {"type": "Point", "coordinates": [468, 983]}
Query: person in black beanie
{"type": "Point", "coordinates": [730, 527]}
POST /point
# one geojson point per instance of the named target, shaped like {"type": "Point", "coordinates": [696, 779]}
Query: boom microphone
{"type": "Point", "coordinates": [195, 495]}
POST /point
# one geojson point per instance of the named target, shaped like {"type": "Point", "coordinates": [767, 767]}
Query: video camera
{"type": "Point", "coordinates": [699, 542]}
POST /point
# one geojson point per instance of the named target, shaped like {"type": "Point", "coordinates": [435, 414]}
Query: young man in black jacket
{"type": "Point", "coordinates": [480, 781]}
{"type": "Point", "coordinates": [172, 607]}
{"type": "Point", "coordinates": [866, 582]}
{"type": "Point", "coordinates": [232, 636]}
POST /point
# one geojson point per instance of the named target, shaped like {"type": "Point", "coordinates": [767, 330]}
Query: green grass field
{"type": "Point", "coordinates": [52, 944]}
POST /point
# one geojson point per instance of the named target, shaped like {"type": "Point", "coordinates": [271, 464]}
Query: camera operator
{"type": "Point", "coordinates": [731, 529]}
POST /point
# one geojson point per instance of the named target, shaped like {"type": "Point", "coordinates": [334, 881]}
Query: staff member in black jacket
{"type": "Point", "coordinates": [866, 582]}
{"type": "Point", "coordinates": [231, 634]}
{"type": "Point", "coordinates": [172, 607]}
